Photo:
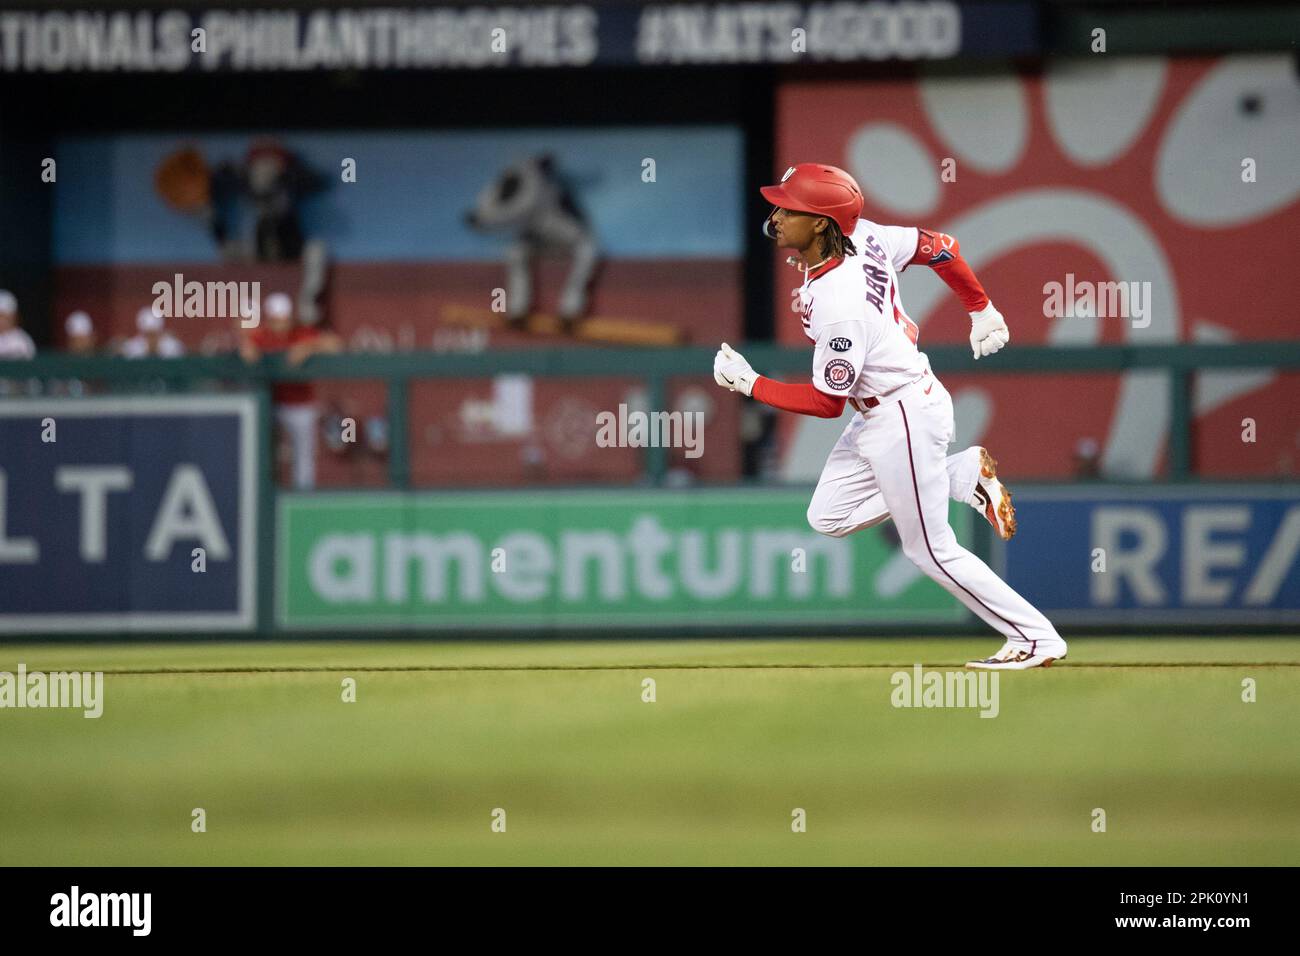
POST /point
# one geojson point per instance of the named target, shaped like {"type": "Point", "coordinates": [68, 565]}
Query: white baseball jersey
{"type": "Point", "coordinates": [853, 310]}
{"type": "Point", "coordinates": [16, 344]}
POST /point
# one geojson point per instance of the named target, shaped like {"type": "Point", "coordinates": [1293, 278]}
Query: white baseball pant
{"type": "Point", "coordinates": [892, 462]}
{"type": "Point", "coordinates": [299, 422]}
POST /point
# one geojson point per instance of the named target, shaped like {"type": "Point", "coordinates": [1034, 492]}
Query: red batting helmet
{"type": "Point", "coordinates": [819, 189]}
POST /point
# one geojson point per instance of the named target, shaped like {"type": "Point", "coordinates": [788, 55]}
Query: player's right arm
{"type": "Point", "coordinates": [837, 363]}
{"type": "Point", "coordinates": [733, 372]}
{"type": "Point", "coordinates": [801, 397]}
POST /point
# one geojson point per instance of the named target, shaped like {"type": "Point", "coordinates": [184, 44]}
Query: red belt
{"type": "Point", "coordinates": [862, 404]}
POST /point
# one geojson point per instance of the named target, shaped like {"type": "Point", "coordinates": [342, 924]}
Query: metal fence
{"type": "Point", "coordinates": [656, 367]}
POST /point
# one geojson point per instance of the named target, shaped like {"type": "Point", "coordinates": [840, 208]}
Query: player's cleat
{"type": "Point", "coordinates": [992, 499]}
{"type": "Point", "coordinates": [1022, 655]}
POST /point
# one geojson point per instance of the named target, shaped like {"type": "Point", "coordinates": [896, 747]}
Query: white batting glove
{"type": "Point", "coordinates": [731, 371]}
{"type": "Point", "coordinates": [988, 331]}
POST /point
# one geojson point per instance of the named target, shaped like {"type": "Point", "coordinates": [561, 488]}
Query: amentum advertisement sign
{"type": "Point", "coordinates": [535, 560]}
{"type": "Point", "coordinates": [525, 35]}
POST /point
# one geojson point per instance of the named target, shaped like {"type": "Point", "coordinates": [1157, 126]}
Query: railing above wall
{"type": "Point", "coordinates": [657, 366]}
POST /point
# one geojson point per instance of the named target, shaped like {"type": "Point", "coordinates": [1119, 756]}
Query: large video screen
{"type": "Point", "coordinates": [457, 241]}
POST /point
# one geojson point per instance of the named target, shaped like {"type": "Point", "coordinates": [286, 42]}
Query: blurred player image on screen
{"type": "Point", "coordinates": [530, 202]}
{"type": "Point", "coordinates": [891, 460]}
{"type": "Point", "coordinates": [296, 410]}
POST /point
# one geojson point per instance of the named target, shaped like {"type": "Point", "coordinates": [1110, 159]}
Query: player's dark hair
{"type": "Point", "coordinates": [836, 245]}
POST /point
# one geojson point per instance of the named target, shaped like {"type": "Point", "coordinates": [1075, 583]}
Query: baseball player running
{"type": "Point", "coordinates": [891, 461]}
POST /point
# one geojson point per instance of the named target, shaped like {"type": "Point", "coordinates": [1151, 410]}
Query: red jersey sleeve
{"type": "Point", "coordinates": [802, 398]}
{"type": "Point", "coordinates": [942, 253]}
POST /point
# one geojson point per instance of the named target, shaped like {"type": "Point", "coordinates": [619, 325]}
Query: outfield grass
{"type": "Point", "coordinates": [1154, 731]}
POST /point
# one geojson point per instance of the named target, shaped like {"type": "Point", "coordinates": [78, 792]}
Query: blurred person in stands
{"type": "Point", "coordinates": [296, 410]}
{"type": "Point", "coordinates": [80, 331]}
{"type": "Point", "coordinates": [1087, 459]}
{"type": "Point", "coordinates": [151, 339]}
{"type": "Point", "coordinates": [14, 342]}
{"type": "Point", "coordinates": [81, 343]}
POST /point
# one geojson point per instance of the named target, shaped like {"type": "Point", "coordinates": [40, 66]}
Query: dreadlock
{"type": "Point", "coordinates": [835, 244]}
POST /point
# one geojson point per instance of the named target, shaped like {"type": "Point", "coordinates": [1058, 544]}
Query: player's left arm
{"type": "Point", "coordinates": [942, 253]}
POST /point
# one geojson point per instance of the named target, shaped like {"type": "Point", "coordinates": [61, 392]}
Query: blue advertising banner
{"type": "Point", "coordinates": [128, 514]}
{"type": "Point", "coordinates": [1159, 554]}
{"type": "Point", "coordinates": [302, 37]}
